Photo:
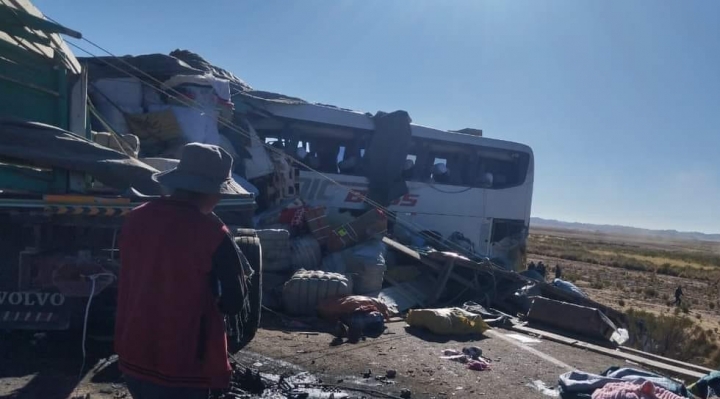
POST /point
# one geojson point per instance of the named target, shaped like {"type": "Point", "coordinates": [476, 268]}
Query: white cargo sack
{"type": "Point", "coordinates": [126, 93]}
{"type": "Point", "coordinates": [306, 253]}
{"type": "Point", "coordinates": [275, 245]}
{"type": "Point", "coordinates": [115, 97]}
{"type": "Point", "coordinates": [364, 262]}
{"type": "Point", "coordinates": [221, 87]}
{"type": "Point", "coordinates": [303, 292]}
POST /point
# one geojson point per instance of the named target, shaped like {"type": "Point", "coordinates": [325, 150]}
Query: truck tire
{"type": "Point", "coordinates": [249, 244]}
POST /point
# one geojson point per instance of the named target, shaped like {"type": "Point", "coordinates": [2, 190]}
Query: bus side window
{"type": "Point", "coordinates": [501, 169]}
{"type": "Point", "coordinates": [456, 166]}
{"type": "Point", "coordinates": [484, 176]}
{"type": "Point", "coordinates": [440, 171]}
{"type": "Point", "coordinates": [271, 140]}
{"type": "Point", "coordinates": [409, 170]}
{"type": "Point", "coordinates": [327, 153]}
{"type": "Point", "coordinates": [470, 170]}
{"type": "Point", "coordinates": [504, 228]}
{"type": "Point", "coordinates": [349, 159]}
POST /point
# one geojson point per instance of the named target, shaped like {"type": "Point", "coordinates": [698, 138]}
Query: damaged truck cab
{"type": "Point", "coordinates": [64, 187]}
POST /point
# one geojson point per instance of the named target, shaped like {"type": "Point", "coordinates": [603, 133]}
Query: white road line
{"type": "Point", "coordinates": [534, 351]}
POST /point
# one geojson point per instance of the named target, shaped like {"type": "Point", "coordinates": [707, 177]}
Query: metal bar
{"type": "Point", "coordinates": [30, 85]}
{"type": "Point", "coordinates": [18, 31]}
{"type": "Point", "coordinates": [62, 87]}
{"type": "Point", "coordinates": [35, 204]}
{"type": "Point", "coordinates": [690, 375]}
{"type": "Point", "coordinates": [37, 23]}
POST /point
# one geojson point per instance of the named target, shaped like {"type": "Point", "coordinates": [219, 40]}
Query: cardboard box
{"type": "Point", "coordinates": [317, 222]}
{"type": "Point", "coordinates": [361, 229]}
{"type": "Point", "coordinates": [160, 125]}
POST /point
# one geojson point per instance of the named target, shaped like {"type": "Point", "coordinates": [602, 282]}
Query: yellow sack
{"type": "Point", "coordinates": [447, 321]}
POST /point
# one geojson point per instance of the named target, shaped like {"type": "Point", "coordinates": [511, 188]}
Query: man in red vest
{"type": "Point", "coordinates": [181, 274]}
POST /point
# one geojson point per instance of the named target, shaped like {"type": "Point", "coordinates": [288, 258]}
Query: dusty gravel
{"type": "Point", "coordinates": [49, 368]}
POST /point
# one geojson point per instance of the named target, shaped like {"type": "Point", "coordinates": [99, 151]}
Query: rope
{"type": "Point", "coordinates": [92, 278]}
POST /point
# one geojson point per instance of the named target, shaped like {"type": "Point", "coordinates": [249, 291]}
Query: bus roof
{"type": "Point", "coordinates": [352, 119]}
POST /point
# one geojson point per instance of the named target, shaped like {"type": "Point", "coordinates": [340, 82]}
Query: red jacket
{"type": "Point", "coordinates": [169, 330]}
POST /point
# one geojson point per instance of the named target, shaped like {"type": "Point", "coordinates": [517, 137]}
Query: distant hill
{"type": "Point", "coordinates": [623, 230]}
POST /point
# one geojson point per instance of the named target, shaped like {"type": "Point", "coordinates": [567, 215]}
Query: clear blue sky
{"type": "Point", "coordinates": [620, 100]}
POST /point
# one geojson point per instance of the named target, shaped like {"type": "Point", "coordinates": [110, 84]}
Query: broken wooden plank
{"type": "Point", "coordinates": [444, 277]}
{"type": "Point", "coordinates": [434, 265]}
{"type": "Point", "coordinates": [547, 289]}
{"type": "Point", "coordinates": [434, 259]}
{"type": "Point", "coordinates": [685, 373]}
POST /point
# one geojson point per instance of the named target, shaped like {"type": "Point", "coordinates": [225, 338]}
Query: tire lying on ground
{"type": "Point", "coordinates": [249, 244]}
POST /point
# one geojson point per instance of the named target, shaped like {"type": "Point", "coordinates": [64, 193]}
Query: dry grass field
{"type": "Point", "coordinates": [639, 275]}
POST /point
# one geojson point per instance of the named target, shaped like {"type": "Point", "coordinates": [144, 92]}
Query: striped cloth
{"type": "Point", "coordinates": [629, 390]}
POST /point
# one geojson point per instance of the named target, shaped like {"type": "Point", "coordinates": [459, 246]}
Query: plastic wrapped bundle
{"type": "Point", "coordinates": [275, 249]}
{"type": "Point", "coordinates": [303, 292]}
{"type": "Point", "coordinates": [305, 253]}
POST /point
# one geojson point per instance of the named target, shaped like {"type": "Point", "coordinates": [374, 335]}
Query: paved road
{"type": "Point", "coordinates": [49, 368]}
{"type": "Point", "coordinates": [415, 357]}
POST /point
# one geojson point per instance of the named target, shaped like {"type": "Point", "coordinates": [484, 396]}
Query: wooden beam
{"type": "Point", "coordinates": [13, 15]}
{"type": "Point", "coordinates": [433, 265]}
{"type": "Point", "coordinates": [444, 277]}
{"type": "Point", "coordinates": [683, 372]}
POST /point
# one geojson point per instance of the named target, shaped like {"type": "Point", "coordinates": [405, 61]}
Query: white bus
{"type": "Point", "coordinates": [485, 195]}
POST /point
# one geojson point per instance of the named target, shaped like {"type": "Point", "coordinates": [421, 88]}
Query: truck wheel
{"type": "Point", "coordinates": [249, 244]}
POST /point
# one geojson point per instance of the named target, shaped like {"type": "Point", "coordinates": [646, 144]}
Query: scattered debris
{"type": "Point", "coordinates": [544, 389]}
{"type": "Point", "coordinates": [473, 352]}
{"type": "Point", "coordinates": [478, 365]}
{"type": "Point", "coordinates": [567, 316]}
{"type": "Point", "coordinates": [456, 358]}
{"type": "Point", "coordinates": [447, 321]}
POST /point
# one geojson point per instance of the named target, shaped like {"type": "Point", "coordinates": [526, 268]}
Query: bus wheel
{"type": "Point", "coordinates": [249, 244]}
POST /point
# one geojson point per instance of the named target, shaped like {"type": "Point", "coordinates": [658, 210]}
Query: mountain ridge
{"type": "Point", "coordinates": [624, 230]}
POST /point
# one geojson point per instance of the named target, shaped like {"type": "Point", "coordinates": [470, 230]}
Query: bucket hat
{"type": "Point", "coordinates": [203, 168]}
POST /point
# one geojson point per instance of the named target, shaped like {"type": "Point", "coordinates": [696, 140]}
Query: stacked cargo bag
{"type": "Point", "coordinates": [305, 253]}
{"type": "Point", "coordinates": [306, 288]}
{"type": "Point", "coordinates": [276, 249]}
{"type": "Point", "coordinates": [361, 229]}
{"type": "Point", "coordinates": [365, 263]}
{"type": "Point", "coordinates": [114, 98]}
{"type": "Point", "coordinates": [202, 99]}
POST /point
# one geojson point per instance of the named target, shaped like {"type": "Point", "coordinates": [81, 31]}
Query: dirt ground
{"type": "Point", "coordinates": [49, 367]}
{"type": "Point", "coordinates": [625, 289]}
